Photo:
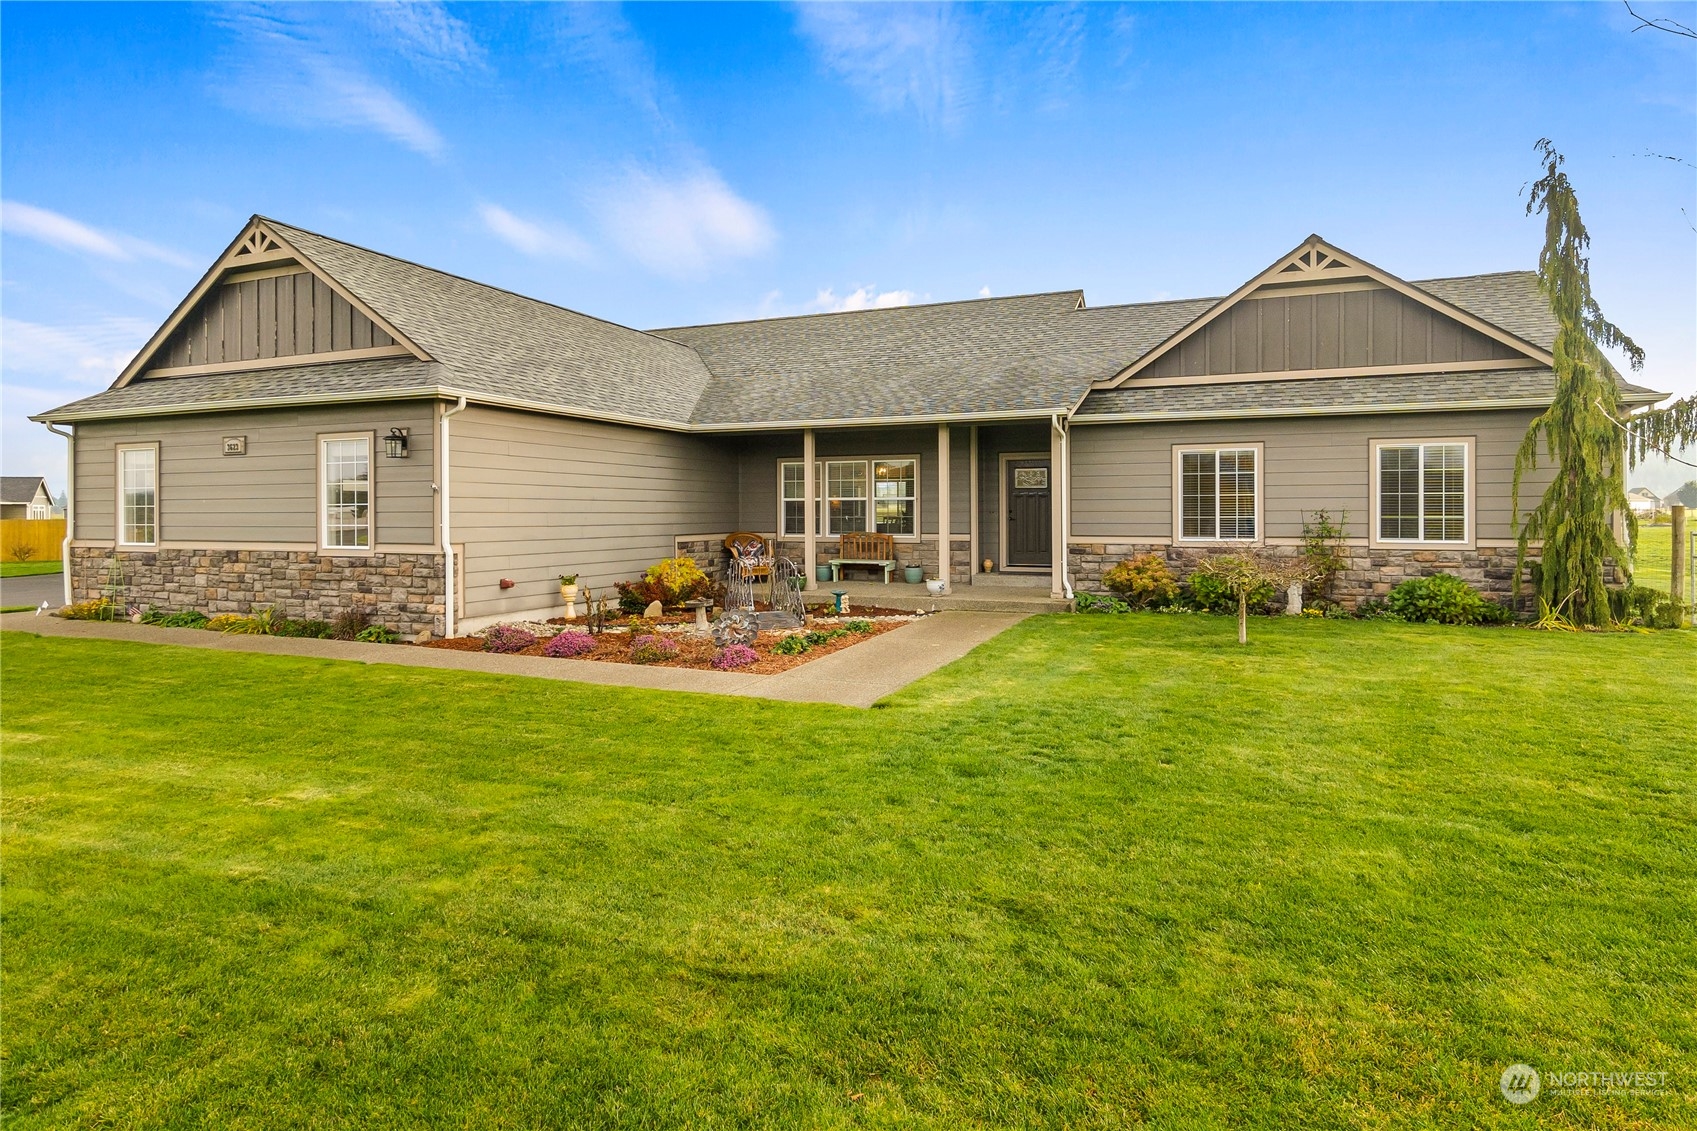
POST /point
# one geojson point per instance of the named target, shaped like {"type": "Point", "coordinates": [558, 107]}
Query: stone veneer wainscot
{"type": "Point", "coordinates": [403, 592]}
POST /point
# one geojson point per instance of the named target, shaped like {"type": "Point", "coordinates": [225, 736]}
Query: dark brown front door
{"type": "Point", "coordinates": [1029, 527]}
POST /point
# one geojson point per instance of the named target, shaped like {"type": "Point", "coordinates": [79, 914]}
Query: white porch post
{"type": "Point", "coordinates": [1057, 509]}
{"type": "Point", "coordinates": [972, 501]}
{"type": "Point", "coordinates": [944, 527]}
{"type": "Point", "coordinates": [810, 523]}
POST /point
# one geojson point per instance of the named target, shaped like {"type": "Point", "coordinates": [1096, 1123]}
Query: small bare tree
{"type": "Point", "coordinates": [1244, 573]}
{"type": "Point", "coordinates": [22, 552]}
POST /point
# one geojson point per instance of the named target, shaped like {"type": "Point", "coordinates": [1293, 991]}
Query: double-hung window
{"type": "Point", "coordinates": [852, 496]}
{"type": "Point", "coordinates": [345, 507]}
{"type": "Point", "coordinates": [1218, 495]}
{"type": "Point", "coordinates": [138, 495]}
{"type": "Point", "coordinates": [1422, 492]}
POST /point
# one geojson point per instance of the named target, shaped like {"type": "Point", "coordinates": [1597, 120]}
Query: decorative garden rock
{"type": "Point", "coordinates": [654, 611]}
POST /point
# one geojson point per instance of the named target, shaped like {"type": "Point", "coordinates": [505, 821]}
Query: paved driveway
{"type": "Point", "coordinates": [49, 587]}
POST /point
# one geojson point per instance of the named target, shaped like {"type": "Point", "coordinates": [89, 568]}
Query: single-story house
{"type": "Point", "coordinates": [25, 496]}
{"type": "Point", "coordinates": [1643, 501]}
{"type": "Point", "coordinates": [318, 425]}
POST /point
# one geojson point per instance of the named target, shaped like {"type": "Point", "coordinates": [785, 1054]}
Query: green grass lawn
{"type": "Point", "coordinates": [1653, 559]}
{"type": "Point", "coordinates": [1105, 871]}
{"type": "Point", "coordinates": [30, 569]}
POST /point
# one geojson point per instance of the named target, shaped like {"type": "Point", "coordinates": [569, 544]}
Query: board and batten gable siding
{"type": "Point", "coordinates": [536, 496]}
{"type": "Point", "coordinates": [1122, 480]}
{"type": "Point", "coordinates": [269, 496]}
{"type": "Point", "coordinates": [1328, 330]}
{"type": "Point", "coordinates": [284, 315]}
{"type": "Point", "coordinates": [760, 453]}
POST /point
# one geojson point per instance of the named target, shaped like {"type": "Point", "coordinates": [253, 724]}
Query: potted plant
{"type": "Point", "coordinates": [913, 574]}
{"type": "Point", "coordinates": [568, 587]}
{"type": "Point", "coordinates": [822, 573]}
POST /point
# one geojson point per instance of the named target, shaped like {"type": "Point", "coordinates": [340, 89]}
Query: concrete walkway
{"type": "Point", "coordinates": [854, 677]}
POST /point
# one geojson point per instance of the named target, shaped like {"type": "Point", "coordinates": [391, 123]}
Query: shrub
{"type": "Point", "coordinates": [260, 622]}
{"type": "Point", "coordinates": [1335, 612]}
{"type": "Point", "coordinates": [1444, 598]}
{"type": "Point", "coordinates": [1375, 608]}
{"type": "Point", "coordinates": [677, 580]}
{"type": "Point", "coordinates": [223, 622]}
{"type": "Point", "coordinates": [568, 644]}
{"type": "Point", "coordinates": [1641, 606]}
{"type": "Point", "coordinates": [22, 552]}
{"type": "Point", "coordinates": [378, 634]}
{"type": "Point", "coordinates": [825, 636]}
{"type": "Point", "coordinates": [507, 638]}
{"type": "Point", "coordinates": [98, 609]}
{"type": "Point", "coordinates": [652, 649]}
{"type": "Point", "coordinates": [733, 656]}
{"type": "Point", "coordinates": [1208, 593]}
{"type": "Point", "coordinates": [1094, 603]}
{"type": "Point", "coordinates": [635, 596]}
{"type": "Point", "coordinates": [792, 645]}
{"type": "Point", "coordinates": [187, 619]}
{"type": "Point", "coordinates": [1323, 550]}
{"type": "Point", "coordinates": [858, 626]}
{"type": "Point", "coordinates": [305, 629]}
{"type": "Point", "coordinates": [1143, 582]}
{"type": "Point", "coordinates": [348, 624]}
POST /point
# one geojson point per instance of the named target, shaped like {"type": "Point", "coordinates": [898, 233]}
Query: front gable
{"type": "Point", "coordinates": [263, 305]}
{"type": "Point", "coordinates": [1319, 312]}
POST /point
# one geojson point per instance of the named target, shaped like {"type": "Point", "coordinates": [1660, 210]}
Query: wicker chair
{"type": "Point", "coordinates": [751, 556]}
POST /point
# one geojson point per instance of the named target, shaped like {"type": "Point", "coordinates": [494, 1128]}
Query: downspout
{"type": "Point", "coordinates": [447, 526]}
{"type": "Point", "coordinates": [70, 503]}
{"type": "Point", "coordinates": [1064, 485]}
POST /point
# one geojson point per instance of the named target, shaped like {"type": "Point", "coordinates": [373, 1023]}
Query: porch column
{"type": "Point", "coordinates": [944, 482]}
{"type": "Point", "coordinates": [810, 523]}
{"type": "Point", "coordinates": [1057, 509]}
{"type": "Point", "coordinates": [972, 501]}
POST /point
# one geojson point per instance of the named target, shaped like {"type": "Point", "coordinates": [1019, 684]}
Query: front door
{"type": "Point", "coordinates": [1029, 526]}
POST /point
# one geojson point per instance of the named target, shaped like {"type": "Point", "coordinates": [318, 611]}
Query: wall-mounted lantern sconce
{"type": "Point", "coordinates": [395, 443]}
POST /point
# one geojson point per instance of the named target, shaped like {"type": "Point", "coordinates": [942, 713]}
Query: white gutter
{"type": "Point", "coordinates": [70, 504]}
{"type": "Point", "coordinates": [447, 526]}
{"type": "Point", "coordinates": [1064, 484]}
{"type": "Point", "coordinates": [1329, 410]}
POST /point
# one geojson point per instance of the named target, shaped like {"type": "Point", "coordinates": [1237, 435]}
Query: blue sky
{"type": "Point", "coordinates": [664, 164]}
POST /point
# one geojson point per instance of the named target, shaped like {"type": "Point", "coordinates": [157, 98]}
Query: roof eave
{"type": "Point", "coordinates": [1314, 410]}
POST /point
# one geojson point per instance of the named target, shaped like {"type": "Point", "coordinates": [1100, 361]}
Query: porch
{"type": "Point", "coordinates": [989, 593]}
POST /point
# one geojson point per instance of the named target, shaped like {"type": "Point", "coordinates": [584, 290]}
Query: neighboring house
{"type": "Point", "coordinates": [1643, 501]}
{"type": "Point", "coordinates": [25, 496]}
{"type": "Point", "coordinates": [1686, 497]}
{"type": "Point", "coordinates": [318, 425]}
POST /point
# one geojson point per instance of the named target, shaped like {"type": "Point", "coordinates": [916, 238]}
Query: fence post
{"type": "Point", "coordinates": [1676, 572]}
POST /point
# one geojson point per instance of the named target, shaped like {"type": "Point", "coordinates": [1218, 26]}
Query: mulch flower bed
{"type": "Point", "coordinates": [614, 647]}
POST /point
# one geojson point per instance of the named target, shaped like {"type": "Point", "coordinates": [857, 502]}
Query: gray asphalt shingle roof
{"type": "Point", "coordinates": [19, 488]}
{"type": "Point", "coordinates": [1025, 354]}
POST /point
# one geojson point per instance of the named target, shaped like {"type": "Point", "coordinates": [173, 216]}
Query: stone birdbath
{"type": "Point", "coordinates": [700, 606]}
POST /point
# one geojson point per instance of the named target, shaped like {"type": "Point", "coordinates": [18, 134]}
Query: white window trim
{"type": "Point", "coordinates": [1468, 492]}
{"type": "Point", "coordinates": [118, 495]}
{"type": "Point", "coordinates": [370, 547]}
{"type": "Point", "coordinates": [1179, 452]}
{"type": "Point", "coordinates": [822, 514]}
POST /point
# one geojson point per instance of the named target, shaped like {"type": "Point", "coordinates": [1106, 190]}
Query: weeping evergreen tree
{"type": "Point", "coordinates": [1582, 431]}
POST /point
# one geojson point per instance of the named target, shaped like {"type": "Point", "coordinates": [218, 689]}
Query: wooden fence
{"type": "Point", "coordinates": [31, 539]}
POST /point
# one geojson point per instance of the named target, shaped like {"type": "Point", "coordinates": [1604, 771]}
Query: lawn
{"type": "Point", "coordinates": [30, 569]}
{"type": "Point", "coordinates": [1654, 556]}
{"type": "Point", "coordinates": [1105, 871]}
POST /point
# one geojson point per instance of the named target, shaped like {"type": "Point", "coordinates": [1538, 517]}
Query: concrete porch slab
{"type": "Point", "coordinates": [964, 598]}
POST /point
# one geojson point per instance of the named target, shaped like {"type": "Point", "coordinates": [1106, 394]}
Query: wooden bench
{"type": "Point", "coordinates": [876, 550]}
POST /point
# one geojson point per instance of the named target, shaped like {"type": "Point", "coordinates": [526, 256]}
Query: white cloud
{"type": "Point", "coordinates": [896, 55]}
{"type": "Point", "coordinates": [79, 355]}
{"type": "Point", "coordinates": [984, 292]}
{"type": "Point", "coordinates": [597, 38]}
{"type": "Point", "coordinates": [301, 73]}
{"type": "Point", "coordinates": [426, 33]}
{"type": "Point", "coordinates": [543, 241]}
{"type": "Point", "coordinates": [862, 298]}
{"type": "Point", "coordinates": [681, 226]}
{"type": "Point", "coordinates": [66, 234]}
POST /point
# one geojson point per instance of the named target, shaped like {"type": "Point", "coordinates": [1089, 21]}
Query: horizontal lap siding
{"type": "Point", "coordinates": [536, 496]}
{"type": "Point", "coordinates": [1122, 473]}
{"type": "Point", "coordinates": [270, 494]}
